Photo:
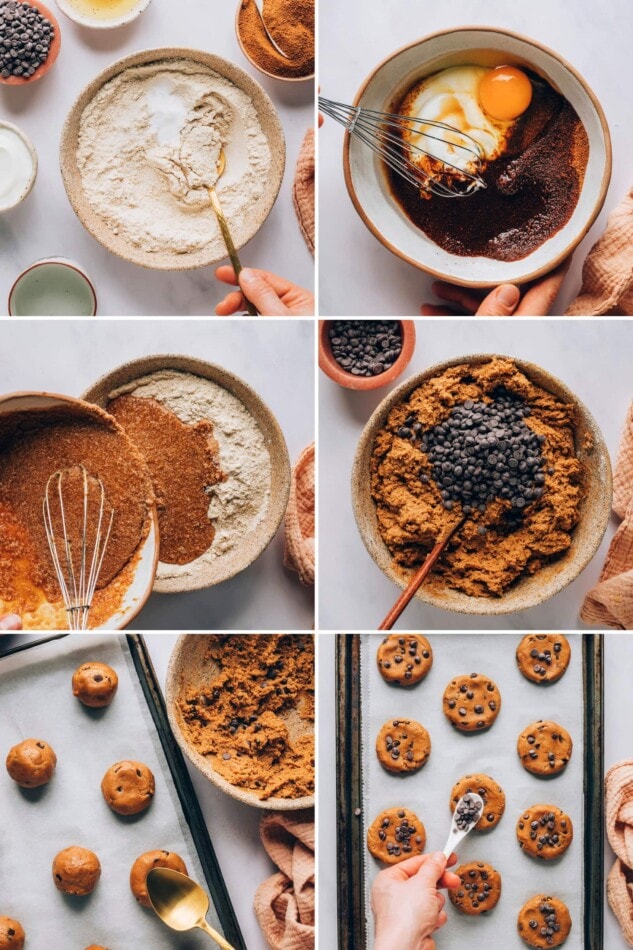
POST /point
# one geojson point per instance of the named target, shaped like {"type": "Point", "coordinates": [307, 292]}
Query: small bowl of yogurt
{"type": "Point", "coordinates": [102, 14]}
{"type": "Point", "coordinates": [18, 166]}
{"type": "Point", "coordinates": [53, 287]}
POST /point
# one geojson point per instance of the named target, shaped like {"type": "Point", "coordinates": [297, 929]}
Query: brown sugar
{"type": "Point", "coordinates": [291, 24]}
{"type": "Point", "coordinates": [183, 462]}
{"type": "Point", "coordinates": [254, 719]}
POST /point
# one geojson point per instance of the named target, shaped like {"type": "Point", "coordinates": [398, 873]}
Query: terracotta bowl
{"type": "Point", "coordinates": [487, 46]}
{"type": "Point", "coordinates": [138, 592]}
{"type": "Point", "coordinates": [188, 667]}
{"type": "Point", "coordinates": [256, 64]}
{"type": "Point", "coordinates": [528, 591]}
{"type": "Point", "coordinates": [336, 372]}
{"type": "Point", "coordinates": [260, 537]}
{"type": "Point", "coordinates": [117, 243]}
{"type": "Point", "coordinates": [53, 52]}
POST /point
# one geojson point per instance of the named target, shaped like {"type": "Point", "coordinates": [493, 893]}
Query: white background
{"type": "Point", "coordinates": [274, 357]}
{"type": "Point", "coordinates": [592, 357]}
{"type": "Point", "coordinates": [46, 226]}
{"type": "Point", "coordinates": [358, 275]}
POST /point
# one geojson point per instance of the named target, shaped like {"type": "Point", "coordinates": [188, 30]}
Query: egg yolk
{"type": "Point", "coordinates": [505, 92]}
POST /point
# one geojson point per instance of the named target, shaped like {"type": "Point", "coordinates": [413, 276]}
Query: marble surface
{"type": "Point", "coordinates": [590, 357]}
{"type": "Point", "coordinates": [45, 225]}
{"type": "Point", "coordinates": [358, 276]}
{"type": "Point", "coordinates": [273, 356]}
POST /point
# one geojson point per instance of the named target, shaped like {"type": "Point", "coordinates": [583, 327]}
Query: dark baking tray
{"type": "Point", "coordinates": [351, 843]}
{"type": "Point", "coordinates": [180, 776]}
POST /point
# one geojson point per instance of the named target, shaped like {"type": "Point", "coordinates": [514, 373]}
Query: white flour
{"type": "Point", "coordinates": [149, 143]}
{"type": "Point", "coordinates": [239, 503]}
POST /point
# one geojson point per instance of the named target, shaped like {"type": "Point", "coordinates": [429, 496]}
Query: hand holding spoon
{"type": "Point", "coordinates": [465, 817]}
{"type": "Point", "coordinates": [181, 903]}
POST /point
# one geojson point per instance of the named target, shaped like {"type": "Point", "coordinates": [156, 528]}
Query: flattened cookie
{"type": "Point", "coordinates": [480, 888]}
{"type": "Point", "coordinates": [492, 794]}
{"type": "Point", "coordinates": [128, 787]}
{"type": "Point", "coordinates": [404, 659]}
{"type": "Point", "coordinates": [544, 831]}
{"type": "Point", "coordinates": [544, 922]}
{"type": "Point", "coordinates": [472, 702]}
{"type": "Point", "coordinates": [395, 835]}
{"type": "Point", "coordinates": [543, 657]}
{"type": "Point", "coordinates": [12, 934]}
{"type": "Point", "coordinates": [94, 684]}
{"type": "Point", "coordinates": [544, 748]}
{"type": "Point", "coordinates": [403, 745]}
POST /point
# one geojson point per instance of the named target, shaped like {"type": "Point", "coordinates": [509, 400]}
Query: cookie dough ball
{"type": "Point", "coordinates": [128, 787]}
{"type": "Point", "coordinates": [543, 657]}
{"type": "Point", "coordinates": [144, 864]}
{"type": "Point", "coordinates": [94, 684]}
{"type": "Point", "coordinates": [76, 871]}
{"type": "Point", "coordinates": [480, 889]}
{"type": "Point", "coordinates": [472, 702]}
{"type": "Point", "coordinates": [544, 831]}
{"type": "Point", "coordinates": [403, 745]}
{"type": "Point", "coordinates": [544, 748]}
{"type": "Point", "coordinates": [31, 763]}
{"type": "Point", "coordinates": [404, 659]}
{"type": "Point", "coordinates": [492, 794]}
{"type": "Point", "coordinates": [395, 835]}
{"type": "Point", "coordinates": [12, 934]}
{"type": "Point", "coordinates": [544, 922]}
{"type": "Point", "coordinates": [94, 946]}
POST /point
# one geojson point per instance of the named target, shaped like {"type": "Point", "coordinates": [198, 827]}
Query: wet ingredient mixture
{"type": "Point", "coordinates": [516, 477]}
{"type": "Point", "coordinates": [291, 24]}
{"type": "Point", "coordinates": [254, 721]}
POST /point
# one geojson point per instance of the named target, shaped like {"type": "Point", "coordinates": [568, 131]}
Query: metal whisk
{"type": "Point", "coordinates": [384, 132]}
{"type": "Point", "coordinates": [82, 546]}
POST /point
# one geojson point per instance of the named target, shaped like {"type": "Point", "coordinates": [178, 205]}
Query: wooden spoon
{"type": "Point", "coordinates": [226, 234]}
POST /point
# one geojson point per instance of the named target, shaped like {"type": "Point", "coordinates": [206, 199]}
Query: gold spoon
{"type": "Point", "coordinates": [224, 228]}
{"type": "Point", "coordinates": [181, 903]}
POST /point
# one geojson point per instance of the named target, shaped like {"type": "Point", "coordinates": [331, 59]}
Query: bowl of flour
{"type": "Point", "coordinates": [244, 497]}
{"type": "Point", "coordinates": [140, 148]}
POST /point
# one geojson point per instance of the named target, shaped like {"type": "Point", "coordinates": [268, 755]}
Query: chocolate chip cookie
{"type": "Point", "coordinates": [76, 871]}
{"type": "Point", "coordinates": [544, 831]}
{"type": "Point", "coordinates": [395, 835]}
{"type": "Point", "coordinates": [12, 934]}
{"type": "Point", "coordinates": [544, 748]}
{"type": "Point", "coordinates": [493, 796]}
{"type": "Point", "coordinates": [31, 763]}
{"type": "Point", "coordinates": [403, 745]}
{"type": "Point", "coordinates": [128, 787]}
{"type": "Point", "coordinates": [544, 922]}
{"type": "Point", "coordinates": [543, 657]}
{"type": "Point", "coordinates": [472, 702]}
{"type": "Point", "coordinates": [144, 864]}
{"type": "Point", "coordinates": [404, 659]}
{"type": "Point", "coordinates": [94, 684]}
{"type": "Point", "coordinates": [480, 888]}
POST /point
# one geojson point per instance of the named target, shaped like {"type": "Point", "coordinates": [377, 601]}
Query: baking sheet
{"type": "Point", "coordinates": [454, 754]}
{"type": "Point", "coordinates": [36, 700]}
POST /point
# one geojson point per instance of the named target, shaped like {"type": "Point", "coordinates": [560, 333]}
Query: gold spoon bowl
{"type": "Point", "coordinates": [181, 903]}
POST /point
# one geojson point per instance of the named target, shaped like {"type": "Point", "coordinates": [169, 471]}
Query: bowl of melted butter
{"type": "Point", "coordinates": [102, 14]}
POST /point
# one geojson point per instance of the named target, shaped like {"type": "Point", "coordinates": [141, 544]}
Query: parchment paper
{"type": "Point", "coordinates": [36, 701]}
{"type": "Point", "coordinates": [454, 754]}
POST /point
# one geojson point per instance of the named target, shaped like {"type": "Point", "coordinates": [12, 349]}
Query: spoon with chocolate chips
{"type": "Point", "coordinates": [465, 817]}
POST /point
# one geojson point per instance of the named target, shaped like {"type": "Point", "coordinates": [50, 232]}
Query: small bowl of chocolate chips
{"type": "Point", "coordinates": [365, 354]}
{"type": "Point", "coordinates": [30, 40]}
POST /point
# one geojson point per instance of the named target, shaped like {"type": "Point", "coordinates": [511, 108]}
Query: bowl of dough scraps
{"type": "Point", "coordinates": [41, 433]}
{"type": "Point", "coordinates": [242, 710]}
{"type": "Point", "coordinates": [217, 458]}
{"type": "Point", "coordinates": [502, 444]}
{"type": "Point", "coordinates": [140, 151]}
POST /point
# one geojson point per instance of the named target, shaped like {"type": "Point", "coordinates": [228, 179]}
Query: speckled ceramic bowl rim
{"type": "Point", "coordinates": [256, 542]}
{"type": "Point", "coordinates": [256, 65]}
{"type": "Point", "coordinates": [174, 682]}
{"type": "Point", "coordinates": [270, 125]}
{"type": "Point", "coordinates": [31, 149]}
{"type": "Point", "coordinates": [596, 504]}
{"type": "Point", "coordinates": [600, 196]}
{"type": "Point", "coordinates": [60, 262]}
{"type": "Point", "coordinates": [68, 11]}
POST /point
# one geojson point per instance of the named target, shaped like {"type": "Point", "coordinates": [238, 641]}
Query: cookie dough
{"type": "Point", "coordinates": [403, 745]}
{"type": "Point", "coordinates": [94, 684]}
{"type": "Point", "coordinates": [76, 871]}
{"type": "Point", "coordinates": [543, 657]}
{"type": "Point", "coordinates": [144, 864]}
{"type": "Point", "coordinates": [493, 797]}
{"type": "Point", "coordinates": [128, 787]}
{"type": "Point", "coordinates": [472, 702]}
{"type": "Point", "coordinates": [395, 835]}
{"type": "Point", "coordinates": [480, 889]}
{"type": "Point", "coordinates": [93, 946]}
{"type": "Point", "coordinates": [404, 659]}
{"type": "Point", "coordinates": [544, 922]}
{"type": "Point", "coordinates": [31, 763]}
{"type": "Point", "coordinates": [544, 748]}
{"type": "Point", "coordinates": [12, 934]}
{"type": "Point", "coordinates": [544, 831]}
